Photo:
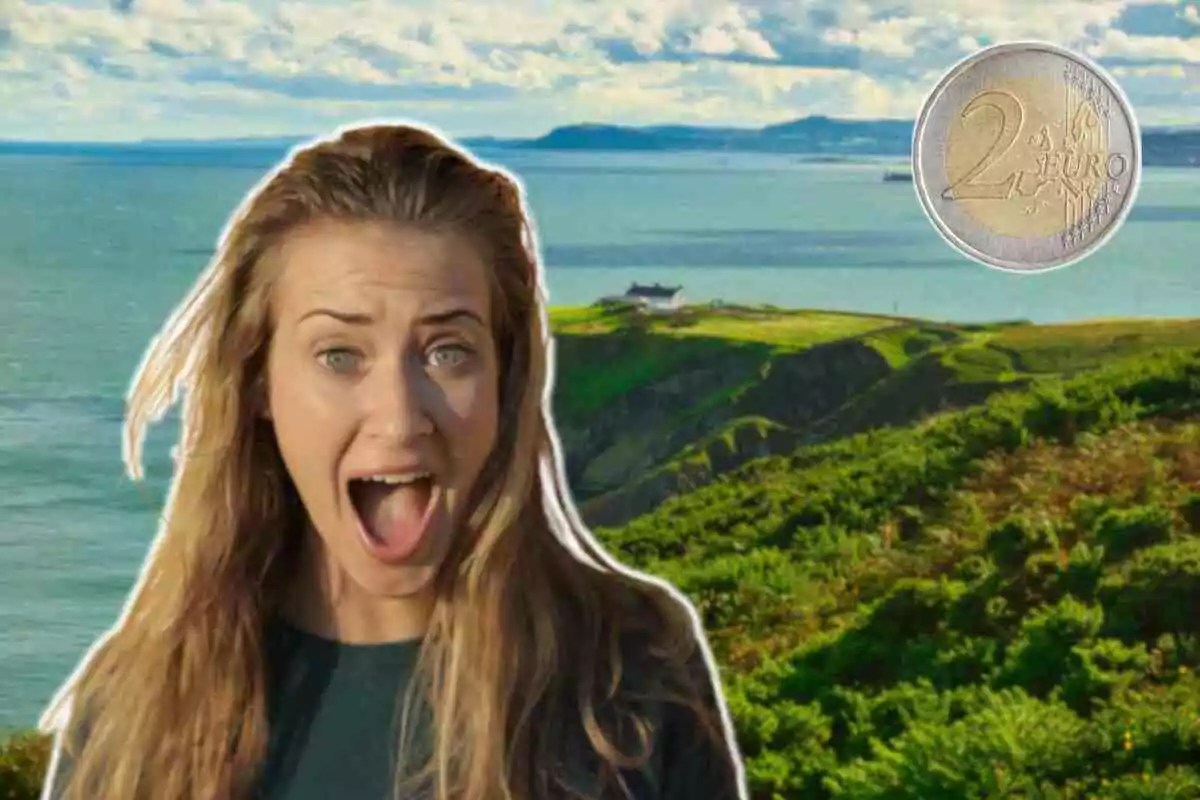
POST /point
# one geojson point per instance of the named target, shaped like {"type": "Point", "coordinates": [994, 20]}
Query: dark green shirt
{"type": "Point", "coordinates": [334, 712]}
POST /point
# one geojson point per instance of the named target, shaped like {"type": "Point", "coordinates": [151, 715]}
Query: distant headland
{"type": "Point", "coordinates": [826, 138]}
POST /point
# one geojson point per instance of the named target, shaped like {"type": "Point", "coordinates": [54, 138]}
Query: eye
{"type": "Point", "coordinates": [339, 359]}
{"type": "Point", "coordinates": [449, 355]}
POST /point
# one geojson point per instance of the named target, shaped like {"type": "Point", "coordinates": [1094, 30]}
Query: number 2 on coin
{"type": "Point", "coordinates": [1011, 121]}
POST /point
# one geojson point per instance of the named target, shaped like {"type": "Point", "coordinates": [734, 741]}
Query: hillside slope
{"type": "Point", "coordinates": [997, 602]}
{"type": "Point", "coordinates": [651, 407]}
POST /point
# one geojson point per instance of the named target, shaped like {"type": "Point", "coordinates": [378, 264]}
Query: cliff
{"type": "Point", "coordinates": [649, 407]}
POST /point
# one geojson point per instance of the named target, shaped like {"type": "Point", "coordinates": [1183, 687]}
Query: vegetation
{"type": "Point", "coordinates": [675, 388]}
{"type": "Point", "coordinates": [24, 758]}
{"type": "Point", "coordinates": [995, 601]}
{"type": "Point", "coordinates": [1070, 348]}
{"type": "Point", "coordinates": [783, 328]}
{"type": "Point", "coordinates": [641, 348]}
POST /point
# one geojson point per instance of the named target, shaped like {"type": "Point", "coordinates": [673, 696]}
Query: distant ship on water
{"type": "Point", "coordinates": [897, 176]}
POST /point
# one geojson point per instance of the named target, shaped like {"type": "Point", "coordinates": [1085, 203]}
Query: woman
{"type": "Point", "coordinates": [369, 582]}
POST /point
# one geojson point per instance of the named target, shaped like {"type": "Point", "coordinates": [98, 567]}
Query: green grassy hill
{"type": "Point", "coordinates": [649, 407]}
{"type": "Point", "coordinates": [934, 561]}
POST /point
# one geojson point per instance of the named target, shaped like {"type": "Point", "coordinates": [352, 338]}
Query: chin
{"type": "Point", "coordinates": [392, 581]}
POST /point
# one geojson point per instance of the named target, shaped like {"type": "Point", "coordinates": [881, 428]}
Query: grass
{"type": "Point", "coordinates": [638, 349]}
{"type": "Point", "coordinates": [657, 345]}
{"type": "Point", "coordinates": [979, 363]}
{"type": "Point", "coordinates": [588, 383]}
{"type": "Point", "coordinates": [1088, 345]}
{"type": "Point", "coordinates": [783, 329]}
{"type": "Point", "coordinates": [900, 343]}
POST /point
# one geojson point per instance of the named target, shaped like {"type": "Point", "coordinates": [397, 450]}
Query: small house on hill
{"type": "Point", "coordinates": [656, 297]}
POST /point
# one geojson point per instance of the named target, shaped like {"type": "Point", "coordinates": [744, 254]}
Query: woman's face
{"type": "Point", "coordinates": [383, 393]}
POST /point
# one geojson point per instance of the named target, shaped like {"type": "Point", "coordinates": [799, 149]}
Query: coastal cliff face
{"type": "Point", "coordinates": [706, 418]}
{"type": "Point", "coordinates": [707, 387]}
{"type": "Point", "coordinates": [649, 409]}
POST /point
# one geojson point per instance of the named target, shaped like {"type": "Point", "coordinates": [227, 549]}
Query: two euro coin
{"type": "Point", "coordinates": [1026, 157]}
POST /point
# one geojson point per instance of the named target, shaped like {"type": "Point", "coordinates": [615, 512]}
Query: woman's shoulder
{"type": "Point", "coordinates": [658, 632]}
{"type": "Point", "coordinates": [668, 669]}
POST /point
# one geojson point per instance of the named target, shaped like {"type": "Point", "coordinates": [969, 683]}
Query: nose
{"type": "Point", "coordinates": [399, 404]}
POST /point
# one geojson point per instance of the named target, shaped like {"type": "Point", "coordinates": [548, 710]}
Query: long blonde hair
{"type": "Point", "coordinates": [171, 702]}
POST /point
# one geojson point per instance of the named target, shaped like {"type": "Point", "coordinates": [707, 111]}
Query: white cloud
{"type": "Point", "coordinates": [1174, 71]}
{"type": "Point", "coordinates": [224, 67]}
{"type": "Point", "coordinates": [731, 33]}
{"type": "Point", "coordinates": [894, 37]}
{"type": "Point", "coordinates": [1156, 48]}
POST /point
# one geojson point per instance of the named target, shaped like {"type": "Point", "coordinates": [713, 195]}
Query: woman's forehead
{"type": "Point", "coordinates": [373, 263]}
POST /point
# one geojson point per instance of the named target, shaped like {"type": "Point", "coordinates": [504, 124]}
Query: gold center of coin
{"type": "Point", "coordinates": [1027, 157]}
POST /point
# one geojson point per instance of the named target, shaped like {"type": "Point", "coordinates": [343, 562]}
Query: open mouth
{"type": "Point", "coordinates": [393, 511]}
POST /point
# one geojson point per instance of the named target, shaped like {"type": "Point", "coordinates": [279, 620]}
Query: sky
{"type": "Point", "coordinates": [133, 69]}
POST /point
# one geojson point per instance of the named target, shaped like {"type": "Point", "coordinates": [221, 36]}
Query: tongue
{"type": "Point", "coordinates": [392, 514]}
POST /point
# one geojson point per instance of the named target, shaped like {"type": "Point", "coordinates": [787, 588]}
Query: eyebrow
{"type": "Point", "coordinates": [353, 318]}
{"type": "Point", "coordinates": [349, 318]}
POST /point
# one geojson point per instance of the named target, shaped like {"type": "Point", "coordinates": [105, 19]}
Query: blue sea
{"type": "Point", "coordinates": [96, 248]}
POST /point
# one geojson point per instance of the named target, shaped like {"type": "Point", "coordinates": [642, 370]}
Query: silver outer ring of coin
{"type": "Point", "coordinates": [1008, 253]}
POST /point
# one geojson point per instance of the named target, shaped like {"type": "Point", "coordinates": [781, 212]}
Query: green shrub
{"type": "Point", "coordinates": [914, 608]}
{"type": "Point", "coordinates": [1153, 728]}
{"type": "Point", "coordinates": [785, 745]}
{"type": "Point", "coordinates": [972, 568]}
{"type": "Point", "coordinates": [1189, 509]}
{"type": "Point", "coordinates": [24, 759]}
{"type": "Point", "coordinates": [1063, 412]}
{"type": "Point", "coordinates": [1123, 531]}
{"type": "Point", "coordinates": [1012, 743]}
{"type": "Point", "coordinates": [1087, 509]}
{"type": "Point", "coordinates": [1100, 671]}
{"type": "Point", "coordinates": [1085, 568]}
{"type": "Point", "coordinates": [1174, 783]}
{"type": "Point", "coordinates": [1042, 578]}
{"type": "Point", "coordinates": [1045, 649]}
{"type": "Point", "coordinates": [1017, 538]}
{"type": "Point", "coordinates": [1160, 596]}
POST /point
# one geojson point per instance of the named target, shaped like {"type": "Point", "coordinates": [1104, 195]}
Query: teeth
{"type": "Point", "coordinates": [397, 479]}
